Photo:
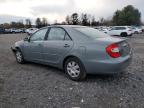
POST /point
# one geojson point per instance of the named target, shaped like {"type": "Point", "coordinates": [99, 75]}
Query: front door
{"type": "Point", "coordinates": [33, 47]}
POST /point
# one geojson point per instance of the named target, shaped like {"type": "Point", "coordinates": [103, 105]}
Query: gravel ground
{"type": "Point", "coordinates": [37, 86]}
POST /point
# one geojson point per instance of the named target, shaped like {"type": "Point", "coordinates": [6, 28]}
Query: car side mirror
{"type": "Point", "coordinates": [27, 38]}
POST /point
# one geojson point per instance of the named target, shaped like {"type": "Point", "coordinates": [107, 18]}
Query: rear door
{"type": "Point", "coordinates": [57, 45]}
{"type": "Point", "coordinates": [113, 31]}
{"type": "Point", "coordinates": [117, 31]}
{"type": "Point", "coordinates": [33, 48]}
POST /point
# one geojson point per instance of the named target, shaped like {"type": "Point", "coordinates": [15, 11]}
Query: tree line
{"type": "Point", "coordinates": [129, 15]}
{"type": "Point", "coordinates": [18, 24]}
{"type": "Point", "coordinates": [40, 22]}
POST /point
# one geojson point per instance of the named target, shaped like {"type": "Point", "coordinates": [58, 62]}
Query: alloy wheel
{"type": "Point", "coordinates": [73, 69]}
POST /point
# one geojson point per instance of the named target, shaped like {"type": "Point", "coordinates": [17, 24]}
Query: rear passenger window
{"type": "Point", "coordinates": [113, 28]}
{"type": "Point", "coordinates": [56, 34]}
{"type": "Point", "coordinates": [120, 28]}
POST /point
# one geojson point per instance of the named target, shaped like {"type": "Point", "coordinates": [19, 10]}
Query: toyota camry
{"type": "Point", "coordinates": [78, 50]}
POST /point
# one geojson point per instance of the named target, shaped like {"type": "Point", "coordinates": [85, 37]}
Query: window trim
{"type": "Point", "coordinates": [118, 28]}
{"type": "Point", "coordinates": [38, 31]}
{"type": "Point", "coordinates": [47, 35]}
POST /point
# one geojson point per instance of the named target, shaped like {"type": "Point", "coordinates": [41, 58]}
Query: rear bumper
{"type": "Point", "coordinates": [108, 66]}
{"type": "Point", "coordinates": [130, 33]}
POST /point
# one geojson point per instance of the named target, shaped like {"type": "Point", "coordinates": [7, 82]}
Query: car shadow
{"type": "Point", "coordinates": [89, 78]}
{"type": "Point", "coordinates": [106, 77]}
{"type": "Point", "coordinates": [46, 67]}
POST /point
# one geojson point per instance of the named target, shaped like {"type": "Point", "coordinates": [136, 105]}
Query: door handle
{"type": "Point", "coordinates": [66, 45]}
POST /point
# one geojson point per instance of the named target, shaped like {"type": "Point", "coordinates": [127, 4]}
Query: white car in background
{"type": "Point", "coordinates": [14, 30]}
{"type": "Point", "coordinates": [104, 30]}
{"type": "Point", "coordinates": [123, 31]}
{"type": "Point", "coordinates": [31, 30]}
{"type": "Point", "coordinates": [137, 30]}
{"type": "Point", "coordinates": [142, 28]}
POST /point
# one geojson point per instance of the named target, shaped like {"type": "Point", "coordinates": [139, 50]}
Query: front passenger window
{"type": "Point", "coordinates": [39, 35]}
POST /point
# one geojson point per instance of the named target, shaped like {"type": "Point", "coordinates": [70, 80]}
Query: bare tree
{"type": "Point", "coordinates": [68, 20]}
{"type": "Point", "coordinates": [28, 23]}
{"type": "Point", "coordinates": [44, 22]}
{"type": "Point", "coordinates": [38, 23]}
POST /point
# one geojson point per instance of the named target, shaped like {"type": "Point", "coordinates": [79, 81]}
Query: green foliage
{"type": "Point", "coordinates": [127, 16]}
{"type": "Point", "coordinates": [74, 18]}
{"type": "Point", "coordinates": [85, 20]}
{"type": "Point", "coordinates": [41, 23]}
{"type": "Point", "coordinates": [38, 23]}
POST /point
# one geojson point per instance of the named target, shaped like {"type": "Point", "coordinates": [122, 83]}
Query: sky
{"type": "Point", "coordinates": [15, 10]}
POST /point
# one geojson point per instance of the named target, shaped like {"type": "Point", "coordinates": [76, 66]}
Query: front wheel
{"type": "Point", "coordinates": [74, 69]}
{"type": "Point", "coordinates": [19, 57]}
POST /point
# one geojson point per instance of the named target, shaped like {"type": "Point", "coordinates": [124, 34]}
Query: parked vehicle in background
{"type": "Point", "coordinates": [137, 30]}
{"type": "Point", "coordinates": [23, 30]}
{"type": "Point", "coordinates": [104, 30]}
{"type": "Point", "coordinates": [123, 31]}
{"type": "Point", "coordinates": [14, 30]}
{"type": "Point", "coordinates": [31, 30]}
{"type": "Point", "coordinates": [7, 31]}
{"type": "Point", "coordinates": [20, 30]}
{"type": "Point", "coordinates": [78, 50]}
{"type": "Point", "coordinates": [2, 30]}
{"type": "Point", "coordinates": [142, 28]}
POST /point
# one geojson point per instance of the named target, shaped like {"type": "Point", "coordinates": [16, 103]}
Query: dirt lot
{"type": "Point", "coordinates": [37, 86]}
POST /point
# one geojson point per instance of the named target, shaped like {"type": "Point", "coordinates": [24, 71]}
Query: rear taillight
{"type": "Point", "coordinates": [113, 50]}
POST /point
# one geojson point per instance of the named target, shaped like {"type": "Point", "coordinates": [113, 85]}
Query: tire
{"type": "Point", "coordinates": [74, 69]}
{"type": "Point", "coordinates": [19, 56]}
{"type": "Point", "coordinates": [136, 32]}
{"type": "Point", "coordinates": [124, 35]}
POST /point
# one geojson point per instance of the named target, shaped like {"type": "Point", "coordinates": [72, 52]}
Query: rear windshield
{"type": "Point", "coordinates": [91, 32]}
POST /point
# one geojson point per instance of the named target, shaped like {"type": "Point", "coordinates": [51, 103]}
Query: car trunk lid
{"type": "Point", "coordinates": [124, 47]}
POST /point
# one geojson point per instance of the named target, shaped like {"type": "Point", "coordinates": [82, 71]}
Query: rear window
{"type": "Point", "coordinates": [118, 28]}
{"type": "Point", "coordinates": [91, 32]}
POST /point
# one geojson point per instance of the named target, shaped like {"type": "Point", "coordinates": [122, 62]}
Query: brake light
{"type": "Point", "coordinates": [113, 50]}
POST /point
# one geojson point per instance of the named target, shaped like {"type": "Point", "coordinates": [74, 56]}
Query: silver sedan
{"type": "Point", "coordinates": [78, 50]}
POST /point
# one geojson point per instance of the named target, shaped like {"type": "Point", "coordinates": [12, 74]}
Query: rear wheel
{"type": "Point", "coordinates": [74, 69]}
{"type": "Point", "coordinates": [136, 32]}
{"type": "Point", "coordinates": [124, 34]}
{"type": "Point", "coordinates": [19, 56]}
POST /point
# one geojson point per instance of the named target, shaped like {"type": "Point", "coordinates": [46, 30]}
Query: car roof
{"type": "Point", "coordinates": [67, 26]}
{"type": "Point", "coordinates": [120, 26]}
{"type": "Point", "coordinates": [75, 35]}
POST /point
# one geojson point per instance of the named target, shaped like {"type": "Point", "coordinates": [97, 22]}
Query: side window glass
{"type": "Point", "coordinates": [56, 34]}
{"type": "Point", "coordinates": [117, 28]}
{"type": "Point", "coordinates": [113, 28]}
{"type": "Point", "coordinates": [67, 37]}
{"type": "Point", "coordinates": [39, 35]}
{"type": "Point", "coordinates": [123, 28]}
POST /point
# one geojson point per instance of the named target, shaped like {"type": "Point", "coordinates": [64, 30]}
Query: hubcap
{"type": "Point", "coordinates": [73, 69]}
{"type": "Point", "coordinates": [18, 56]}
